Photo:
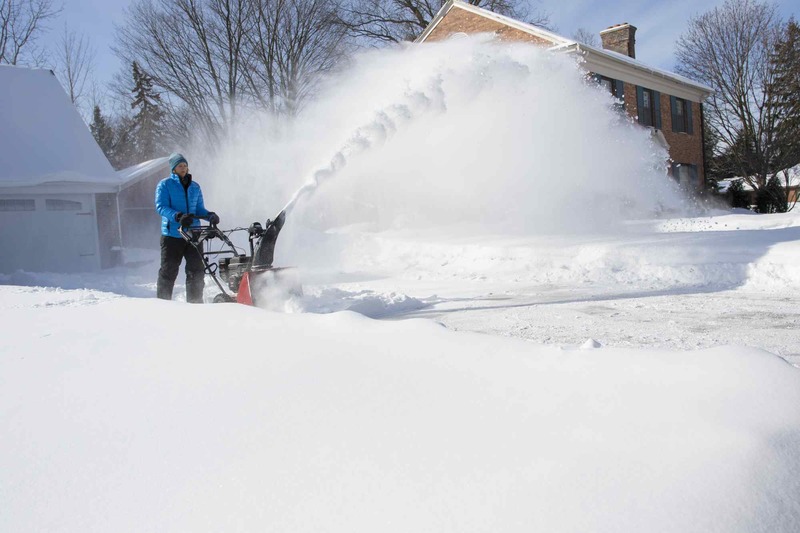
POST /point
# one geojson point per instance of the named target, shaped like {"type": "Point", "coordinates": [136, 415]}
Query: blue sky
{"type": "Point", "coordinates": [659, 23]}
{"type": "Point", "coordinates": [95, 19]}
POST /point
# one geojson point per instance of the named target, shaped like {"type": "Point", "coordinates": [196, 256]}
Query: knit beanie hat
{"type": "Point", "coordinates": [176, 159]}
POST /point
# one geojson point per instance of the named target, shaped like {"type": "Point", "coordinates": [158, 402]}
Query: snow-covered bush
{"type": "Point", "coordinates": [737, 195]}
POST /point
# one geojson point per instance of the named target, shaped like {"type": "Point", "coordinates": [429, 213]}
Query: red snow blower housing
{"type": "Point", "coordinates": [245, 275]}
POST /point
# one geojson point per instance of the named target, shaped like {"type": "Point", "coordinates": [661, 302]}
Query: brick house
{"type": "Point", "coordinates": [667, 103]}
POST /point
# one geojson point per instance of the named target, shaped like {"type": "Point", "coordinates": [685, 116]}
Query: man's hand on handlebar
{"type": "Point", "coordinates": [186, 220]}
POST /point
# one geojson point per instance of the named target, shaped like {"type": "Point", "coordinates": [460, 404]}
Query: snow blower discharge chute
{"type": "Point", "coordinates": [245, 275]}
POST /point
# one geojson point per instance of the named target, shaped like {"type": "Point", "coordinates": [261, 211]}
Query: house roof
{"type": "Point", "coordinates": [793, 175]}
{"type": "Point", "coordinates": [598, 60]}
{"type": "Point", "coordinates": [136, 173]}
{"type": "Point", "coordinates": [43, 140]}
{"type": "Point", "coordinates": [508, 21]}
{"type": "Point", "coordinates": [616, 65]}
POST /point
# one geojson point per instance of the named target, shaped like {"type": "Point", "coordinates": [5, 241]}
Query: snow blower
{"type": "Point", "coordinates": [247, 276]}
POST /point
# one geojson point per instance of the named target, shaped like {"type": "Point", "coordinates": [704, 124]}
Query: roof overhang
{"type": "Point", "coordinates": [620, 67]}
{"type": "Point", "coordinates": [136, 173]}
{"type": "Point", "coordinates": [57, 187]}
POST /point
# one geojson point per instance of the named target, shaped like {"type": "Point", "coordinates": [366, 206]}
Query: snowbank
{"type": "Point", "coordinates": [133, 415]}
{"type": "Point", "coordinates": [719, 252]}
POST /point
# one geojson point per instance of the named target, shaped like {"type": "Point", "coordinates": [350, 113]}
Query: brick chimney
{"type": "Point", "coordinates": [620, 38]}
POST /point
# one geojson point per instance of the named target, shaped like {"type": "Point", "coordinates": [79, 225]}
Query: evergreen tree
{"type": "Point", "coordinates": [737, 159]}
{"type": "Point", "coordinates": [103, 133]}
{"type": "Point", "coordinates": [772, 198]}
{"type": "Point", "coordinates": [786, 62]}
{"type": "Point", "coordinates": [148, 128]}
{"type": "Point", "coordinates": [737, 195]}
{"type": "Point", "coordinates": [714, 160]}
{"type": "Point", "coordinates": [116, 139]}
{"type": "Point", "coordinates": [125, 145]}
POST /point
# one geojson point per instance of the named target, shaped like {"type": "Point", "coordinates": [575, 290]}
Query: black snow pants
{"type": "Point", "coordinates": [173, 250]}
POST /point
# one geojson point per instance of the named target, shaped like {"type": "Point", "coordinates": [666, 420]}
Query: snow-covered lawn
{"type": "Point", "coordinates": [125, 413]}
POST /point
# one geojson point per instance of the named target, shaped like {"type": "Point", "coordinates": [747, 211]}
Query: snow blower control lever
{"type": "Point", "coordinates": [238, 270]}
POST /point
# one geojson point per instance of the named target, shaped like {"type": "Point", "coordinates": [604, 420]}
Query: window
{"type": "Point", "coordinates": [681, 115]}
{"type": "Point", "coordinates": [62, 205]}
{"type": "Point", "coordinates": [615, 87]}
{"type": "Point", "coordinates": [8, 204]}
{"type": "Point", "coordinates": [685, 174]}
{"type": "Point", "coordinates": [648, 103]}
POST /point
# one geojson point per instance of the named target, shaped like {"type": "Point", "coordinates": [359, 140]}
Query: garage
{"type": "Point", "coordinates": [58, 192]}
{"type": "Point", "coordinates": [58, 233]}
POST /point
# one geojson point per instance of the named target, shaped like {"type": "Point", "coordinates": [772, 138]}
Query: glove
{"type": "Point", "coordinates": [213, 218]}
{"type": "Point", "coordinates": [186, 220]}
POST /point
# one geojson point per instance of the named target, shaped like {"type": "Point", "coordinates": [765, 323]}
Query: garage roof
{"type": "Point", "coordinates": [43, 140]}
{"type": "Point", "coordinates": [134, 174]}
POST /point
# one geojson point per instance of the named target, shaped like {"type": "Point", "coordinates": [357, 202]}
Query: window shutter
{"type": "Point", "coordinates": [657, 109]}
{"type": "Point", "coordinates": [619, 90]}
{"type": "Point", "coordinates": [673, 107]}
{"type": "Point", "coordinates": [689, 127]}
{"type": "Point", "coordinates": [673, 171]}
{"type": "Point", "coordinates": [640, 104]}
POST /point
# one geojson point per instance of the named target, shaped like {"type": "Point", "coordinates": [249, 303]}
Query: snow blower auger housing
{"type": "Point", "coordinates": [245, 275]}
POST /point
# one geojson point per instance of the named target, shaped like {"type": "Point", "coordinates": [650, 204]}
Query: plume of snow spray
{"type": "Point", "coordinates": [384, 125]}
{"type": "Point", "coordinates": [470, 135]}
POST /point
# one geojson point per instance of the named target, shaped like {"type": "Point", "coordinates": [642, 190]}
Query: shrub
{"type": "Point", "coordinates": [737, 196]}
{"type": "Point", "coordinates": [772, 198]}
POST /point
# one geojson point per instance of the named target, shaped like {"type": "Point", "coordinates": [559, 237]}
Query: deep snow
{"type": "Point", "coordinates": [121, 412]}
{"type": "Point", "coordinates": [169, 417]}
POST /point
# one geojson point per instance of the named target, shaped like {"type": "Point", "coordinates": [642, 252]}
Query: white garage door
{"type": "Point", "coordinates": [48, 233]}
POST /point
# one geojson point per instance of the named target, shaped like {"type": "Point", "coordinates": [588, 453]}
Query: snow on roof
{"type": "Point", "coordinates": [524, 26]}
{"type": "Point", "coordinates": [129, 176]}
{"type": "Point", "coordinates": [794, 179]}
{"type": "Point", "coordinates": [43, 139]}
{"type": "Point", "coordinates": [559, 42]}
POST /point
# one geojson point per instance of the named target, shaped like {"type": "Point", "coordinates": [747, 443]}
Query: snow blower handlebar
{"type": "Point", "coordinates": [239, 266]}
{"type": "Point", "coordinates": [197, 235]}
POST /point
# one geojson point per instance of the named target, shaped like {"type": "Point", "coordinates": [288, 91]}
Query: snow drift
{"type": "Point", "coordinates": [134, 425]}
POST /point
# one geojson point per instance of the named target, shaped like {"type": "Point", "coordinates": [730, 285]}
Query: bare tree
{"type": "Point", "coordinates": [292, 44]}
{"type": "Point", "coordinates": [193, 49]}
{"type": "Point", "coordinates": [582, 35]}
{"type": "Point", "coordinates": [21, 22]}
{"type": "Point", "coordinates": [729, 48]}
{"type": "Point", "coordinates": [391, 21]}
{"type": "Point", "coordinates": [74, 65]}
{"type": "Point", "coordinates": [210, 57]}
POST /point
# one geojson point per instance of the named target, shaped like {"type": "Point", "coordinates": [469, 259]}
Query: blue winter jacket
{"type": "Point", "coordinates": [172, 198]}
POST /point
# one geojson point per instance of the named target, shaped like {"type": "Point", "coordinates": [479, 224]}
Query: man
{"type": "Point", "coordinates": [179, 201]}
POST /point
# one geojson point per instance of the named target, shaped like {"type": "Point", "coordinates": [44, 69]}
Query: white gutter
{"type": "Point", "coordinates": [641, 66]}
{"type": "Point", "coordinates": [119, 221]}
{"type": "Point", "coordinates": [435, 22]}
